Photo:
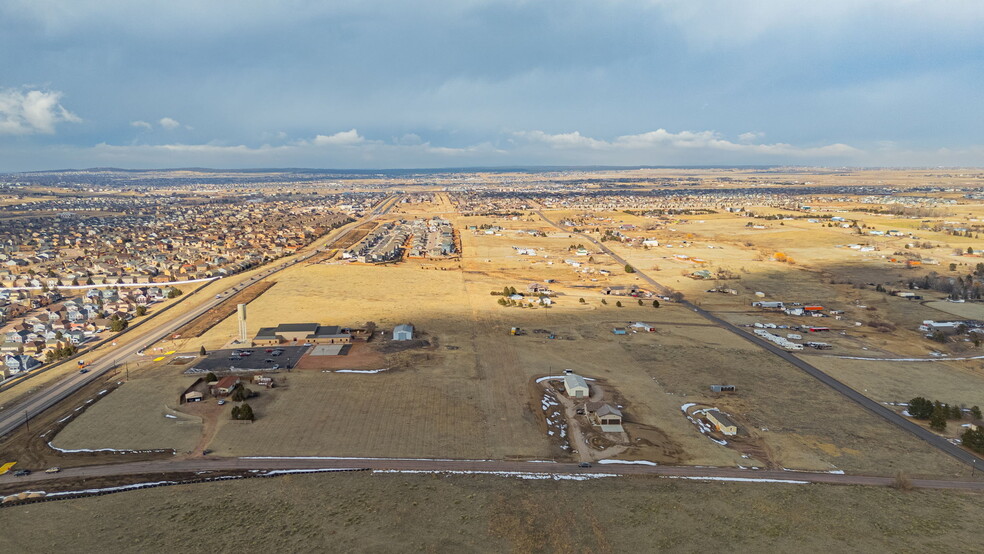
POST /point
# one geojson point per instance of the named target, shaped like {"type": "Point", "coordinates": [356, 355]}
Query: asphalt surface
{"type": "Point", "coordinates": [865, 402]}
{"type": "Point", "coordinates": [193, 465]}
{"type": "Point", "coordinates": [16, 415]}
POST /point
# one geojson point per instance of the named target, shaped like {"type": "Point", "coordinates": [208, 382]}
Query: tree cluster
{"type": "Point", "coordinates": [243, 413]}
{"type": "Point", "coordinates": [937, 412]}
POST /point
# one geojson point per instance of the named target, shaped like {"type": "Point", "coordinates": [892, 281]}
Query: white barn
{"type": "Point", "coordinates": [575, 385]}
{"type": "Point", "coordinates": [403, 332]}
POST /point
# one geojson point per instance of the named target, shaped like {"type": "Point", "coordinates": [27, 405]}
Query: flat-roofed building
{"type": "Point", "coordinates": [312, 333]}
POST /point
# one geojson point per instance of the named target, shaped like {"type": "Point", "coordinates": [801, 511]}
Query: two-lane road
{"type": "Point", "coordinates": [865, 402]}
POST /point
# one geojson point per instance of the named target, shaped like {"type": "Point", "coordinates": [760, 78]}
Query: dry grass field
{"type": "Point", "coordinates": [134, 417]}
{"type": "Point", "coordinates": [361, 512]}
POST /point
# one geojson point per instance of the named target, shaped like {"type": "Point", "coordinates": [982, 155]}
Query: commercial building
{"type": "Point", "coordinates": [309, 333]}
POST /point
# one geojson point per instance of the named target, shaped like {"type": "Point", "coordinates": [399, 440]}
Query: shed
{"type": "Point", "coordinates": [575, 385]}
{"type": "Point", "coordinates": [722, 388]}
{"type": "Point", "coordinates": [194, 396]}
{"type": "Point", "coordinates": [403, 332]}
{"type": "Point", "coordinates": [722, 423]}
{"type": "Point", "coordinates": [619, 331]}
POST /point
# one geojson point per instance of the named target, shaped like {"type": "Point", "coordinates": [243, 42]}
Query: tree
{"type": "Point", "coordinates": [970, 249]}
{"type": "Point", "coordinates": [243, 413]}
{"type": "Point", "coordinates": [581, 300]}
{"type": "Point", "coordinates": [975, 412]}
{"type": "Point", "coordinates": [202, 351]}
{"type": "Point", "coordinates": [938, 420]}
{"type": "Point", "coordinates": [210, 377]}
{"type": "Point", "coordinates": [640, 301]}
{"type": "Point", "coordinates": [938, 336]}
{"type": "Point", "coordinates": [89, 281]}
{"type": "Point", "coordinates": [920, 408]}
{"type": "Point", "coordinates": [603, 301]}
{"type": "Point", "coordinates": [953, 267]}
{"type": "Point", "coordinates": [505, 291]}
{"type": "Point", "coordinates": [629, 269]}
{"type": "Point", "coordinates": [655, 303]}
{"type": "Point", "coordinates": [118, 324]}
{"type": "Point", "coordinates": [239, 393]}
{"type": "Point", "coordinates": [618, 303]}
{"type": "Point", "coordinates": [141, 311]}
{"type": "Point", "coordinates": [974, 439]}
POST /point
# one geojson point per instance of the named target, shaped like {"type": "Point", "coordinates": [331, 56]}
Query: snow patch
{"type": "Point", "coordinates": [361, 370]}
{"type": "Point", "coordinates": [629, 462]}
{"type": "Point", "coordinates": [516, 474]}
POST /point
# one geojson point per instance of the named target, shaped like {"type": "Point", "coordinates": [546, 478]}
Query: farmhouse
{"type": "Point", "coordinates": [606, 416]}
{"type": "Point", "coordinates": [403, 332]}
{"type": "Point", "coordinates": [722, 423]}
{"type": "Point", "coordinates": [575, 385]}
{"type": "Point", "coordinates": [225, 385]}
{"type": "Point", "coordinates": [302, 332]}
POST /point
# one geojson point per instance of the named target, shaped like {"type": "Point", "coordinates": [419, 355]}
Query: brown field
{"type": "Point", "coordinates": [362, 512]}
{"type": "Point", "coordinates": [227, 308]}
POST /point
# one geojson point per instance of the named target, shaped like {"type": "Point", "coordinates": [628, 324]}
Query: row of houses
{"type": "Point", "coordinates": [155, 240]}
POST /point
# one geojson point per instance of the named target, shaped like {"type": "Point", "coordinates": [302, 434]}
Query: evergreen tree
{"type": "Point", "coordinates": [655, 303]}
{"type": "Point", "coordinates": [975, 412]}
{"type": "Point", "coordinates": [202, 351]}
{"type": "Point", "coordinates": [938, 420]}
{"type": "Point", "coordinates": [618, 303]}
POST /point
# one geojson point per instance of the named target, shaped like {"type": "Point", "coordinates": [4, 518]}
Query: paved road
{"type": "Point", "coordinates": [16, 415]}
{"type": "Point", "coordinates": [865, 402]}
{"type": "Point", "coordinates": [192, 465]}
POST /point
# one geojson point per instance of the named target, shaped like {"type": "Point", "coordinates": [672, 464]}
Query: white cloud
{"type": "Point", "coordinates": [169, 123]}
{"type": "Point", "coordinates": [31, 112]}
{"type": "Point", "coordinates": [141, 124]}
{"type": "Point", "coordinates": [750, 136]}
{"type": "Point", "coordinates": [343, 138]}
{"type": "Point", "coordinates": [663, 140]}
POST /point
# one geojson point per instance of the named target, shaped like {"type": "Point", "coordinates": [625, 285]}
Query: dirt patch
{"type": "Point", "coordinates": [360, 355]}
{"type": "Point", "coordinates": [225, 309]}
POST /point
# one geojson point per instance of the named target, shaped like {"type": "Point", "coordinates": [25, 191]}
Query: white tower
{"type": "Point", "coordinates": [241, 308]}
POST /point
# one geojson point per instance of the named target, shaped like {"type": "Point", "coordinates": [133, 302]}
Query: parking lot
{"type": "Point", "coordinates": [252, 359]}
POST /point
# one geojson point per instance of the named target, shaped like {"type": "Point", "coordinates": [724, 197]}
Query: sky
{"type": "Point", "coordinates": [464, 83]}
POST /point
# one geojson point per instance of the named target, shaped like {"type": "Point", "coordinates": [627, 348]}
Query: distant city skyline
{"type": "Point", "coordinates": [464, 83]}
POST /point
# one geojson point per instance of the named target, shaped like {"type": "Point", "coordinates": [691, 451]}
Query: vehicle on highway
{"type": "Point", "coordinates": [584, 464]}
{"type": "Point", "coordinates": [52, 470]}
{"type": "Point", "coordinates": [22, 473]}
{"type": "Point", "coordinates": [268, 361]}
{"type": "Point", "coordinates": [275, 366]}
{"type": "Point", "coordinates": [307, 344]}
{"type": "Point", "coordinates": [83, 371]}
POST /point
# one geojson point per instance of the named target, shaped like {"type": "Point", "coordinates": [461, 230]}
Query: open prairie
{"type": "Point", "coordinates": [363, 512]}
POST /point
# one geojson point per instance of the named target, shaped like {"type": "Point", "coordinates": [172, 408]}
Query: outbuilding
{"type": "Point", "coordinates": [722, 423]}
{"type": "Point", "coordinates": [403, 332]}
{"type": "Point", "coordinates": [575, 385]}
{"type": "Point", "coordinates": [194, 396]}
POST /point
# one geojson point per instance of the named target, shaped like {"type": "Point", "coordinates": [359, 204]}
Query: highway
{"type": "Point", "coordinates": [865, 402]}
{"type": "Point", "coordinates": [16, 415]}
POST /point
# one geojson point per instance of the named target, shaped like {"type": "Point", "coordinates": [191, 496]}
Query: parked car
{"type": "Point", "coordinates": [222, 402]}
{"type": "Point", "coordinates": [22, 472]}
{"type": "Point", "coordinates": [52, 470]}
